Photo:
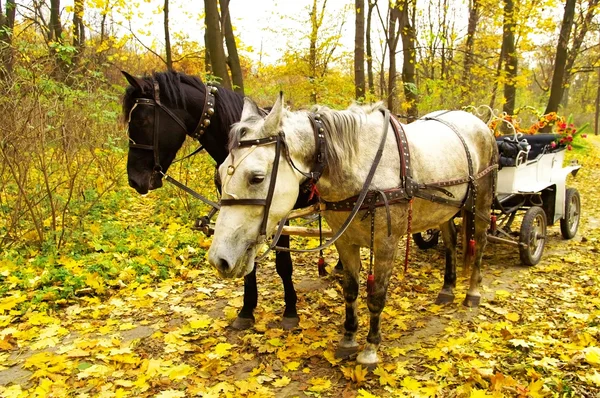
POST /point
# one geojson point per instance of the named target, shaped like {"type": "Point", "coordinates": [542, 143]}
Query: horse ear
{"type": "Point", "coordinates": [273, 120]}
{"type": "Point", "coordinates": [250, 109]}
{"type": "Point", "coordinates": [134, 81]}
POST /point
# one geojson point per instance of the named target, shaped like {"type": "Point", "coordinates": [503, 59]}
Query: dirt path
{"type": "Point", "coordinates": [530, 334]}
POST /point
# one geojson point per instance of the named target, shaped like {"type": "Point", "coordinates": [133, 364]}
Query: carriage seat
{"type": "Point", "coordinates": [509, 149]}
{"type": "Point", "coordinates": [540, 144]}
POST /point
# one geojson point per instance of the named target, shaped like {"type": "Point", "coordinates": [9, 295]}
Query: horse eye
{"type": "Point", "coordinates": [243, 131]}
{"type": "Point", "coordinates": [257, 179]}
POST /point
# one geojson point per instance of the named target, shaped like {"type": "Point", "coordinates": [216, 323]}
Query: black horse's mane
{"type": "Point", "coordinates": [173, 94]}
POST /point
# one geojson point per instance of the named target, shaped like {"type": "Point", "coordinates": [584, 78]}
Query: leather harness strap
{"type": "Point", "coordinates": [409, 188]}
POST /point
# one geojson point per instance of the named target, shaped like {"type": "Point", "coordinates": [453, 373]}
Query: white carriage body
{"type": "Point", "coordinates": [534, 176]}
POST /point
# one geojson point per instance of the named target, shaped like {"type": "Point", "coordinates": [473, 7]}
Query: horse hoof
{"type": "Point", "coordinates": [338, 269]}
{"type": "Point", "coordinates": [369, 359]}
{"type": "Point", "coordinates": [242, 323]}
{"type": "Point", "coordinates": [444, 298]}
{"type": "Point", "coordinates": [345, 352]}
{"type": "Point", "coordinates": [472, 301]}
{"type": "Point", "coordinates": [289, 323]}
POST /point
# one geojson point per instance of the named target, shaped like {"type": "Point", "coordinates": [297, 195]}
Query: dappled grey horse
{"type": "Point", "coordinates": [376, 186]}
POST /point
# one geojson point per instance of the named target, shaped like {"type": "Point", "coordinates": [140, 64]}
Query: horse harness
{"type": "Point", "coordinates": [281, 145]}
{"type": "Point", "coordinates": [367, 199]}
{"type": "Point", "coordinates": [208, 111]}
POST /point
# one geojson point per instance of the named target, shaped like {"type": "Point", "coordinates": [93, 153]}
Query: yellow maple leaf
{"type": "Point", "coordinates": [411, 384]}
{"type": "Point", "coordinates": [365, 394]}
{"type": "Point", "coordinates": [178, 372]}
{"type": "Point", "coordinates": [293, 365]}
{"type": "Point", "coordinates": [170, 394]}
{"type": "Point", "coordinates": [477, 393]}
{"type": "Point", "coordinates": [319, 384]}
{"type": "Point", "coordinates": [594, 379]}
{"type": "Point", "coordinates": [534, 390]}
{"type": "Point", "coordinates": [282, 382]}
{"type": "Point", "coordinates": [512, 316]}
{"type": "Point", "coordinates": [435, 353]}
{"type": "Point", "coordinates": [202, 322]}
{"type": "Point", "coordinates": [384, 377]}
{"type": "Point", "coordinates": [592, 355]}
{"type": "Point", "coordinates": [222, 349]}
{"type": "Point", "coordinates": [359, 375]}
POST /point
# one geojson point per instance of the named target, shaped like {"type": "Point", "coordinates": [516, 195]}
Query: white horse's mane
{"type": "Point", "coordinates": [342, 129]}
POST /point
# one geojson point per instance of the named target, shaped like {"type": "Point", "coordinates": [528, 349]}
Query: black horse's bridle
{"type": "Point", "coordinates": [207, 111]}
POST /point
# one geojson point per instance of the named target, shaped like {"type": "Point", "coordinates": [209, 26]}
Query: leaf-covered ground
{"type": "Point", "coordinates": [121, 332]}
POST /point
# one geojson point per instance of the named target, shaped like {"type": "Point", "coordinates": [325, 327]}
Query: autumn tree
{"type": "Point", "coordinates": [233, 60]}
{"type": "Point", "coordinates": [169, 57]}
{"type": "Point", "coordinates": [214, 43]}
{"type": "Point", "coordinates": [7, 23]}
{"type": "Point", "coordinates": [469, 50]}
{"type": "Point", "coordinates": [406, 21]}
{"type": "Point", "coordinates": [78, 29]}
{"type": "Point", "coordinates": [359, 49]}
{"type": "Point", "coordinates": [509, 56]}
{"type": "Point", "coordinates": [369, 50]}
{"type": "Point", "coordinates": [560, 59]}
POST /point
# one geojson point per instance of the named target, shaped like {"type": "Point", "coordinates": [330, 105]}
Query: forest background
{"type": "Point", "coordinates": [72, 231]}
{"type": "Point", "coordinates": [63, 139]}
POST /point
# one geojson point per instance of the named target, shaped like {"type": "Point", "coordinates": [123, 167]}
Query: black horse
{"type": "Point", "coordinates": [164, 108]}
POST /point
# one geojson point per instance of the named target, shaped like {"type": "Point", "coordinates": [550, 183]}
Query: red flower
{"type": "Point", "coordinates": [562, 125]}
{"type": "Point", "coordinates": [553, 145]}
{"type": "Point", "coordinates": [569, 138]}
{"type": "Point", "coordinates": [583, 135]}
{"type": "Point", "coordinates": [569, 147]}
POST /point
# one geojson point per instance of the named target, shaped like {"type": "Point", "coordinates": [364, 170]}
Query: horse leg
{"type": "Point", "coordinates": [245, 318]}
{"type": "Point", "coordinates": [350, 255]}
{"type": "Point", "coordinates": [446, 295]}
{"type": "Point", "coordinates": [483, 205]}
{"type": "Point", "coordinates": [376, 301]}
{"type": "Point", "coordinates": [283, 264]}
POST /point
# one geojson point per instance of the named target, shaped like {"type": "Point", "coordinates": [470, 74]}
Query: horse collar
{"type": "Point", "coordinates": [320, 153]}
{"type": "Point", "coordinates": [207, 111]}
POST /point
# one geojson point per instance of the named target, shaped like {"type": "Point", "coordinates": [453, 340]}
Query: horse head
{"type": "Point", "coordinates": [161, 110]}
{"type": "Point", "coordinates": [259, 186]}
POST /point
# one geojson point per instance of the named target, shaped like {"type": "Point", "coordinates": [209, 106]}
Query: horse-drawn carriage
{"type": "Point", "coordinates": [271, 157]}
{"type": "Point", "coordinates": [531, 181]}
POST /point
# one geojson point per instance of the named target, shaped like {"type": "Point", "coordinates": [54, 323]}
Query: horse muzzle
{"type": "Point", "coordinates": [231, 268]}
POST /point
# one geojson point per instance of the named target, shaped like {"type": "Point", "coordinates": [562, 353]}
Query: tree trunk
{"type": "Point", "coordinates": [234, 59]}
{"type": "Point", "coordinates": [78, 29]}
{"type": "Point", "coordinates": [409, 39]}
{"type": "Point", "coordinates": [55, 28]}
{"type": "Point", "coordinates": [469, 49]}
{"type": "Point", "coordinates": [392, 43]}
{"type": "Point", "coordinates": [359, 50]}
{"type": "Point", "coordinates": [578, 40]}
{"type": "Point", "coordinates": [560, 60]}
{"type": "Point", "coordinates": [312, 51]}
{"type": "Point", "coordinates": [169, 57]}
{"type": "Point", "coordinates": [510, 56]}
{"type": "Point", "coordinates": [214, 43]}
{"type": "Point", "coordinates": [7, 24]}
{"type": "Point", "coordinates": [597, 114]}
{"type": "Point", "coordinates": [369, 52]}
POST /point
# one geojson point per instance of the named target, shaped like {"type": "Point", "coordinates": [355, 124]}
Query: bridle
{"type": "Point", "coordinates": [312, 177]}
{"type": "Point", "coordinates": [207, 111]}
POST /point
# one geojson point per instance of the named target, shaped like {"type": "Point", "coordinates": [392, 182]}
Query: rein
{"type": "Point", "coordinates": [207, 111]}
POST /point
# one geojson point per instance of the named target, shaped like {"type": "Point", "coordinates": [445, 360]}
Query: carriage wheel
{"type": "Point", "coordinates": [570, 222]}
{"type": "Point", "coordinates": [428, 239]}
{"type": "Point", "coordinates": [532, 236]}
